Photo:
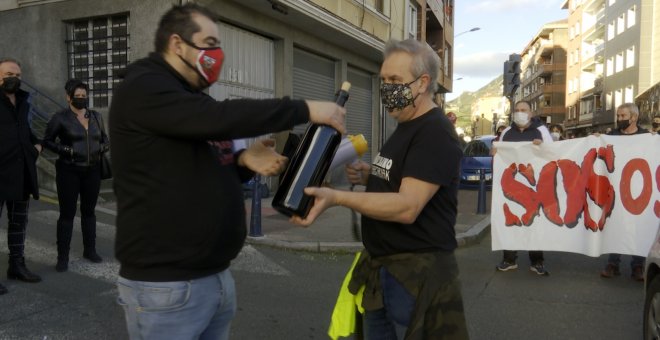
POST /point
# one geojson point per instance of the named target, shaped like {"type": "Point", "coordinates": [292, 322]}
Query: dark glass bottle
{"type": "Point", "coordinates": [309, 165]}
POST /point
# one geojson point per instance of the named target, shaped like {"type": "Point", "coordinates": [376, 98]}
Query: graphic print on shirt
{"type": "Point", "coordinates": [381, 167]}
{"type": "Point", "coordinates": [225, 151]}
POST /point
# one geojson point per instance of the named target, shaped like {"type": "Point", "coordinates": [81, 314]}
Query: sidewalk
{"type": "Point", "coordinates": [333, 232]}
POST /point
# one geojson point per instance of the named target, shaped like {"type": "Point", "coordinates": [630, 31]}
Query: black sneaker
{"type": "Point", "coordinates": [539, 269]}
{"type": "Point", "coordinates": [504, 266]}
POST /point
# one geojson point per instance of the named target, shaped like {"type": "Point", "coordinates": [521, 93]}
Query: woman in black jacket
{"type": "Point", "coordinates": [77, 135]}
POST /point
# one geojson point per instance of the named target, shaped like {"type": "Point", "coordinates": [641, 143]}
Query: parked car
{"type": "Point", "coordinates": [476, 157]}
{"type": "Point", "coordinates": [652, 291]}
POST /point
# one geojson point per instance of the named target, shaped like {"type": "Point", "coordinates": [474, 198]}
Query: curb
{"type": "Point", "coordinates": [468, 238]}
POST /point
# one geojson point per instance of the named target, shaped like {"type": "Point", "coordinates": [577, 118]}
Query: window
{"type": "Point", "coordinates": [610, 67]}
{"type": "Point", "coordinates": [381, 6]}
{"type": "Point", "coordinates": [630, 57]}
{"type": "Point", "coordinates": [570, 86]}
{"type": "Point", "coordinates": [610, 31]}
{"type": "Point", "coordinates": [628, 94]}
{"type": "Point", "coordinates": [577, 28]}
{"type": "Point", "coordinates": [608, 101]}
{"type": "Point", "coordinates": [618, 65]}
{"type": "Point", "coordinates": [617, 98]}
{"type": "Point", "coordinates": [412, 20]}
{"type": "Point", "coordinates": [631, 17]}
{"type": "Point", "coordinates": [611, 2]}
{"type": "Point", "coordinates": [621, 24]}
{"type": "Point", "coordinates": [97, 49]}
{"type": "Point", "coordinates": [571, 33]}
{"type": "Point", "coordinates": [446, 61]}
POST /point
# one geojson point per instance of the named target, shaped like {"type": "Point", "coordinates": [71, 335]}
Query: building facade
{"type": "Point", "coordinates": [648, 98]}
{"type": "Point", "coordinates": [298, 48]}
{"type": "Point", "coordinates": [611, 58]}
{"type": "Point", "coordinates": [487, 112]}
{"type": "Point", "coordinates": [543, 72]}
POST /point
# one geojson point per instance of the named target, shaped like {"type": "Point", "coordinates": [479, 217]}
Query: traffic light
{"type": "Point", "coordinates": [511, 75]}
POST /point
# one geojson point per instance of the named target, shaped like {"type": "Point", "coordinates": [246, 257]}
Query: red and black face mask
{"type": "Point", "coordinates": [208, 63]}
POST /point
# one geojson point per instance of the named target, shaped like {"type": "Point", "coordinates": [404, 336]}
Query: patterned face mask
{"type": "Point", "coordinates": [397, 96]}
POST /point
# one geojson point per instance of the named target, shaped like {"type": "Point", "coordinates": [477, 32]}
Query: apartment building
{"type": "Point", "coordinates": [487, 112]}
{"type": "Point", "coordinates": [543, 72]}
{"type": "Point", "coordinates": [299, 48]}
{"type": "Point", "coordinates": [648, 98]}
{"type": "Point", "coordinates": [610, 60]}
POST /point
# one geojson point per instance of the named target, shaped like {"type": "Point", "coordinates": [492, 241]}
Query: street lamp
{"type": "Point", "coordinates": [468, 31]}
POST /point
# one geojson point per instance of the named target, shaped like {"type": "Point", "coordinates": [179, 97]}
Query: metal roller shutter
{"type": "Point", "coordinates": [313, 78]}
{"type": "Point", "coordinates": [359, 109]}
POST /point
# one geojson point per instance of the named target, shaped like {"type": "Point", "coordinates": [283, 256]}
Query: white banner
{"type": "Point", "coordinates": [593, 195]}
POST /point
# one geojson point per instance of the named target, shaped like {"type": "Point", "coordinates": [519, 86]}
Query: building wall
{"type": "Point", "coordinates": [35, 35]}
{"type": "Point", "coordinates": [621, 86]}
{"type": "Point", "coordinates": [544, 72]}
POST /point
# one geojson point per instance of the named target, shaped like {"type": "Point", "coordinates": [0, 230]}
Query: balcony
{"type": "Point", "coordinates": [596, 33]}
{"type": "Point", "coordinates": [594, 6]}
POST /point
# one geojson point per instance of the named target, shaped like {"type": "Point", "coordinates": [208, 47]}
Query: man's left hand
{"type": "Point", "coordinates": [261, 158]}
{"type": "Point", "coordinates": [38, 147]}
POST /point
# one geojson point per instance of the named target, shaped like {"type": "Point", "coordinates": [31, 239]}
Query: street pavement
{"type": "Point", "coordinates": [288, 294]}
{"type": "Point", "coordinates": [333, 230]}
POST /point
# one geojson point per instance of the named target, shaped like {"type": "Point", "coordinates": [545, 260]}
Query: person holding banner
{"type": "Point", "coordinates": [627, 116]}
{"type": "Point", "coordinates": [408, 209]}
{"type": "Point", "coordinates": [526, 127]}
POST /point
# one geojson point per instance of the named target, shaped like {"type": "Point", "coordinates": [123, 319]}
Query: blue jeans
{"type": "Point", "coordinates": [635, 261]}
{"type": "Point", "coordinates": [391, 322]}
{"type": "Point", "coordinates": [197, 309]}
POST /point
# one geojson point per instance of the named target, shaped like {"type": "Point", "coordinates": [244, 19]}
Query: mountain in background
{"type": "Point", "coordinates": [462, 105]}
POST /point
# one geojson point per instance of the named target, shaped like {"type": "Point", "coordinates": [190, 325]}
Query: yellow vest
{"type": "Point", "coordinates": [344, 314]}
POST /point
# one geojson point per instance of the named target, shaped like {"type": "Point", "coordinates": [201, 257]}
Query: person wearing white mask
{"type": "Point", "coordinates": [526, 127]}
{"type": "Point", "coordinates": [557, 132]}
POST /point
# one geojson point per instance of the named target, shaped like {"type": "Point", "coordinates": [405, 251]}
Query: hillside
{"type": "Point", "coordinates": [462, 105]}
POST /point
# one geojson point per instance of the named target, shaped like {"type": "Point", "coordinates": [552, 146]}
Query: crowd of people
{"type": "Point", "coordinates": [178, 174]}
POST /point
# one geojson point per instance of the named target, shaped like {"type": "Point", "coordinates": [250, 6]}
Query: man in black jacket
{"type": "Point", "coordinates": [627, 117]}
{"type": "Point", "coordinates": [19, 149]}
{"type": "Point", "coordinates": [181, 215]}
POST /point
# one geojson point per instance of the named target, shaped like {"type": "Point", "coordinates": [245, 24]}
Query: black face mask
{"type": "Point", "coordinates": [11, 84]}
{"type": "Point", "coordinates": [79, 103]}
{"type": "Point", "coordinates": [623, 124]}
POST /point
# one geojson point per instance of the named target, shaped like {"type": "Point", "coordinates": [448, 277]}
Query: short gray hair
{"type": "Point", "coordinates": [9, 60]}
{"type": "Point", "coordinates": [425, 60]}
{"type": "Point", "coordinates": [632, 108]}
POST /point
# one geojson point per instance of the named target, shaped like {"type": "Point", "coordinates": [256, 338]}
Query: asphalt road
{"type": "Point", "coordinates": [290, 295]}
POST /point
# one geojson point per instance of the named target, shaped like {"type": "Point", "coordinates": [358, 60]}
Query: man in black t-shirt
{"type": "Point", "coordinates": [408, 209]}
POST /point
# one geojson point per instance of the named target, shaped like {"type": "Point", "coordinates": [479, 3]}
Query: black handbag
{"type": "Point", "coordinates": [106, 171]}
{"type": "Point", "coordinates": [104, 162]}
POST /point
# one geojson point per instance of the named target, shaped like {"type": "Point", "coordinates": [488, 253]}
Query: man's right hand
{"type": "Point", "coordinates": [357, 172]}
{"type": "Point", "coordinates": [327, 113]}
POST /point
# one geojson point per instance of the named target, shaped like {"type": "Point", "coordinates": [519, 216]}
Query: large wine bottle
{"type": "Point", "coordinates": [309, 165]}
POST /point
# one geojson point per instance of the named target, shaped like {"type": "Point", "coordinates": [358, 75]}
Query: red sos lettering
{"type": "Point", "coordinates": [581, 184]}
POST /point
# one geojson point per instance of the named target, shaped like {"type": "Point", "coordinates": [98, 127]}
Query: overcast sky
{"type": "Point", "coordinates": [506, 26]}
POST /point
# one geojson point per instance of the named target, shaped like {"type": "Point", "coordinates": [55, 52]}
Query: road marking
{"type": "Point", "coordinates": [248, 260]}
